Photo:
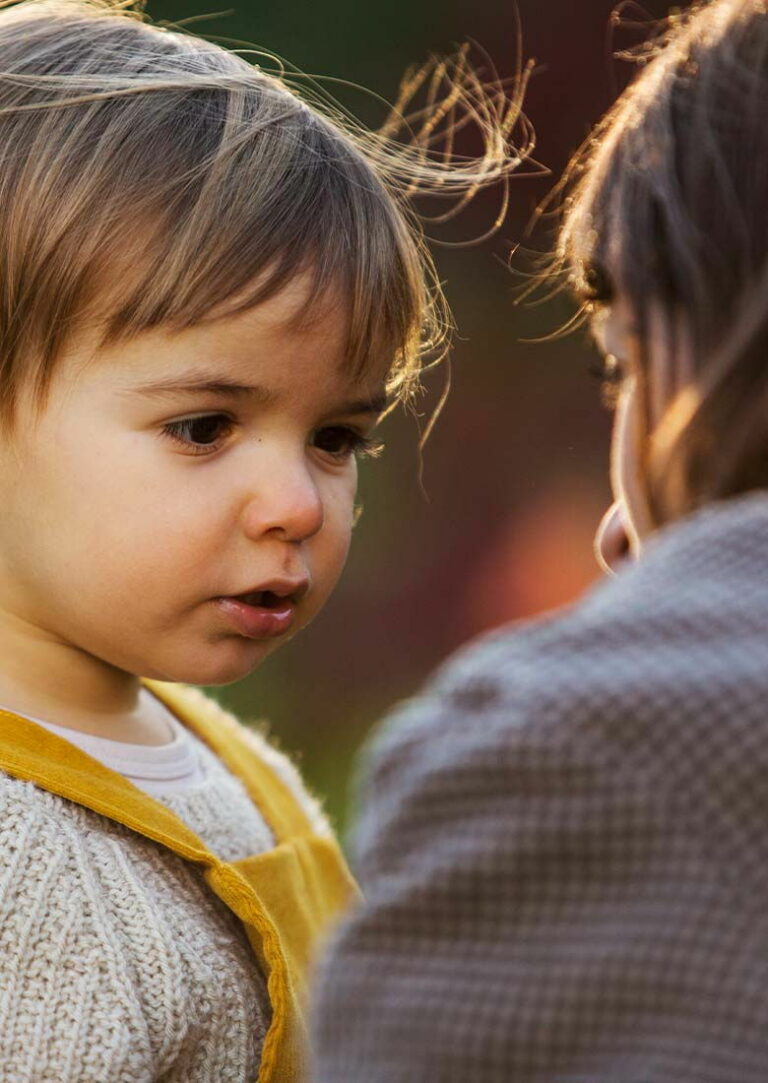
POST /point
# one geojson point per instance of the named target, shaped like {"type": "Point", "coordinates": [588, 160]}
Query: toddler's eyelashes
{"type": "Point", "coordinates": [204, 434]}
{"type": "Point", "coordinates": [200, 434]}
{"type": "Point", "coordinates": [342, 441]}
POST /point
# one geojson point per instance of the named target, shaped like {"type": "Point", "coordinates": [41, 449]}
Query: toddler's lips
{"type": "Point", "coordinates": [259, 615]}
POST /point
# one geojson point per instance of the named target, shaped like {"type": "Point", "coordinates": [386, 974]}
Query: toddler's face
{"type": "Point", "coordinates": [137, 508]}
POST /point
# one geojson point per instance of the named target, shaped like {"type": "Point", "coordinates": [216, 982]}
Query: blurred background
{"type": "Point", "coordinates": [494, 521]}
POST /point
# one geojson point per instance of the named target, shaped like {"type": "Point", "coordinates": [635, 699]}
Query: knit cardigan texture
{"type": "Point", "coordinates": [118, 963]}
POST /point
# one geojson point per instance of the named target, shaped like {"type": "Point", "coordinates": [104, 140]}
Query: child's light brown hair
{"type": "Point", "coordinates": [148, 177]}
{"type": "Point", "coordinates": [668, 209]}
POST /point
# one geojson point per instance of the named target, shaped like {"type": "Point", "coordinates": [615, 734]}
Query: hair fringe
{"type": "Point", "coordinates": [378, 176]}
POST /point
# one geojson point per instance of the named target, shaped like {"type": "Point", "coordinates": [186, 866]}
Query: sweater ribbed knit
{"type": "Point", "coordinates": [117, 962]}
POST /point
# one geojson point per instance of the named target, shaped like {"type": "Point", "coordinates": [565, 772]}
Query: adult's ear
{"type": "Point", "coordinates": [612, 546]}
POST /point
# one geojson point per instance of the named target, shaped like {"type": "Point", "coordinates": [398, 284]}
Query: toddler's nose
{"type": "Point", "coordinates": [288, 504]}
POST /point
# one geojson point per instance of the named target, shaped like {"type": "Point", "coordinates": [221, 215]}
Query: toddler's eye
{"type": "Point", "coordinates": [609, 372]}
{"type": "Point", "coordinates": [199, 434]}
{"type": "Point", "coordinates": [342, 442]}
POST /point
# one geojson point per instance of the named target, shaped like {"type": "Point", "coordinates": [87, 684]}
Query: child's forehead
{"type": "Point", "coordinates": [299, 304]}
{"type": "Point", "coordinates": [257, 387]}
{"type": "Point", "coordinates": [286, 320]}
{"type": "Point", "coordinates": [279, 349]}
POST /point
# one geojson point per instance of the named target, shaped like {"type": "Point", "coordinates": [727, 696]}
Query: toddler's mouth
{"type": "Point", "coordinates": [266, 613]}
{"type": "Point", "coordinates": [264, 599]}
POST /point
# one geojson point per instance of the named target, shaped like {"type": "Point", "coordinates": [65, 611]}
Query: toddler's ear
{"type": "Point", "coordinates": [357, 514]}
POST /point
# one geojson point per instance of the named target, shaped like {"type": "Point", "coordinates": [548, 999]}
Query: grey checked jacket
{"type": "Point", "coordinates": [564, 843]}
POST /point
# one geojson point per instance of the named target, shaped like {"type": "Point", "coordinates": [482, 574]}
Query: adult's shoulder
{"type": "Point", "coordinates": [658, 677]}
{"type": "Point", "coordinates": [684, 628]}
{"type": "Point", "coordinates": [563, 837]}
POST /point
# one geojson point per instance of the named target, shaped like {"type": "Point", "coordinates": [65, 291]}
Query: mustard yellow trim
{"type": "Point", "coordinates": [31, 752]}
{"type": "Point", "coordinates": [227, 739]}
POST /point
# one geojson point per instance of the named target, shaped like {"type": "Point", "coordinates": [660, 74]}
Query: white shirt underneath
{"type": "Point", "coordinates": [190, 779]}
{"type": "Point", "coordinates": [156, 769]}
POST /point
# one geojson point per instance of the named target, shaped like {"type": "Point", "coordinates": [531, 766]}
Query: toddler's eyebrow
{"type": "Point", "coordinates": [204, 385]}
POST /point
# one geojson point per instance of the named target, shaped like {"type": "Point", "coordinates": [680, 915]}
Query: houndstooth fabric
{"type": "Point", "coordinates": [564, 843]}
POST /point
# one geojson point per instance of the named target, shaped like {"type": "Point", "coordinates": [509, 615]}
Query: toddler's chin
{"type": "Point", "coordinates": [219, 664]}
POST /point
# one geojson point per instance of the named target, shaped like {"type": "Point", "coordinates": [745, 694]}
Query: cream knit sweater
{"type": "Point", "coordinates": [117, 963]}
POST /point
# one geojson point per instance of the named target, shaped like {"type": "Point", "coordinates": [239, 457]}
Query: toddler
{"type": "Point", "coordinates": [209, 293]}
